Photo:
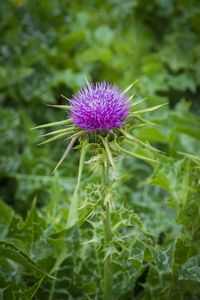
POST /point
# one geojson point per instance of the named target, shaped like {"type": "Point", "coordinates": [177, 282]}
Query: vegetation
{"type": "Point", "coordinates": [46, 48]}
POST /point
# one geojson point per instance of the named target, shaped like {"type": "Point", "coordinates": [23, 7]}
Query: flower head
{"type": "Point", "coordinates": [100, 106]}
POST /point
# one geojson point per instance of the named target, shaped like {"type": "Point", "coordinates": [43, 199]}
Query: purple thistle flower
{"type": "Point", "coordinates": [100, 106]}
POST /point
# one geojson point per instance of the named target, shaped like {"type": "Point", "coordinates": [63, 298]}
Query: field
{"type": "Point", "coordinates": [120, 217]}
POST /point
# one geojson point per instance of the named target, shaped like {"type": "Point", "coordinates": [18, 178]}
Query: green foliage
{"type": "Point", "coordinates": [46, 48]}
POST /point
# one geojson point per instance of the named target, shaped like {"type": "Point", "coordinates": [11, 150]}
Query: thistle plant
{"type": "Point", "coordinates": [100, 122]}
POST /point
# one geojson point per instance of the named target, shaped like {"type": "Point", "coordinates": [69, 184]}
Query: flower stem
{"type": "Point", "coordinates": [107, 282]}
{"type": "Point", "coordinates": [73, 215]}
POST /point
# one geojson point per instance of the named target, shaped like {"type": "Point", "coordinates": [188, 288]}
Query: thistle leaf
{"type": "Point", "coordinates": [131, 97]}
{"type": "Point", "coordinates": [140, 125]}
{"type": "Point", "coordinates": [76, 134]}
{"type": "Point", "coordinates": [148, 109]}
{"type": "Point", "coordinates": [144, 121]}
{"type": "Point", "coordinates": [69, 130]}
{"type": "Point", "coordinates": [109, 154]}
{"type": "Point", "coordinates": [120, 149]}
{"type": "Point", "coordinates": [86, 80]}
{"type": "Point", "coordinates": [65, 107]}
{"type": "Point", "coordinates": [65, 97]}
{"type": "Point", "coordinates": [53, 138]}
{"type": "Point", "coordinates": [10, 251]}
{"type": "Point", "coordinates": [139, 101]}
{"type": "Point", "coordinates": [138, 141]}
{"type": "Point", "coordinates": [130, 86]}
{"type": "Point", "coordinates": [65, 153]}
{"type": "Point", "coordinates": [64, 122]}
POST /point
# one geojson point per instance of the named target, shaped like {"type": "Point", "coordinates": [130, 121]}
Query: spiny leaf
{"type": "Point", "coordinates": [139, 101]}
{"type": "Point", "coordinates": [8, 250]}
{"type": "Point", "coordinates": [54, 138]}
{"type": "Point", "coordinates": [120, 149]}
{"type": "Point", "coordinates": [79, 133]}
{"type": "Point", "coordinates": [65, 97]}
{"type": "Point", "coordinates": [131, 97]}
{"type": "Point", "coordinates": [139, 125]}
{"type": "Point", "coordinates": [64, 122]}
{"type": "Point", "coordinates": [146, 122]}
{"type": "Point", "coordinates": [130, 86]}
{"type": "Point", "coordinates": [148, 109]}
{"type": "Point", "coordinates": [69, 129]}
{"type": "Point", "coordinates": [65, 107]}
{"type": "Point", "coordinates": [190, 270]}
{"type": "Point", "coordinates": [138, 141]}
{"type": "Point", "coordinates": [164, 258]}
{"type": "Point", "coordinates": [65, 153]}
{"type": "Point", "coordinates": [86, 80]}
{"type": "Point", "coordinates": [105, 143]}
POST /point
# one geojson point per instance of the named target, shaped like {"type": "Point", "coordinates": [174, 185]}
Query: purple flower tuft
{"type": "Point", "coordinates": [100, 106]}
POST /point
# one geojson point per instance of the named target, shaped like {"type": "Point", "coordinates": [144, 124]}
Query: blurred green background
{"type": "Point", "coordinates": [46, 48]}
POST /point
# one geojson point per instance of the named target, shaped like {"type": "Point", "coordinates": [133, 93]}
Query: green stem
{"type": "Point", "coordinates": [73, 214]}
{"type": "Point", "coordinates": [53, 285]}
{"type": "Point", "coordinates": [107, 283]}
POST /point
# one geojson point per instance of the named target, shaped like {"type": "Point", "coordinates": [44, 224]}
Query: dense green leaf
{"type": "Point", "coordinates": [9, 251]}
{"type": "Point", "coordinates": [190, 270]}
{"type": "Point", "coordinates": [150, 49]}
